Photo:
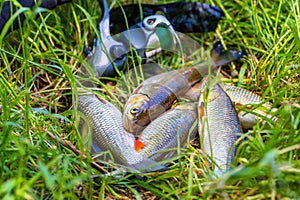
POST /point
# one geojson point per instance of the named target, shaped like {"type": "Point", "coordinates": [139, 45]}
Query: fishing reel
{"type": "Point", "coordinates": [147, 38]}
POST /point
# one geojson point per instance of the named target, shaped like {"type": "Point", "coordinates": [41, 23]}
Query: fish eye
{"type": "Point", "coordinates": [134, 110]}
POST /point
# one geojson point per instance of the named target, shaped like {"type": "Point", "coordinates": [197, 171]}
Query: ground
{"type": "Point", "coordinates": [38, 97]}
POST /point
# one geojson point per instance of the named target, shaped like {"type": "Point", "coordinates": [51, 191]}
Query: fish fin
{"type": "Point", "coordinates": [226, 57]}
{"type": "Point", "coordinates": [138, 144]}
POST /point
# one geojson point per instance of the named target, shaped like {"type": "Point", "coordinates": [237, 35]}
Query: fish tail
{"type": "Point", "coordinates": [217, 49]}
{"type": "Point", "coordinates": [222, 58]}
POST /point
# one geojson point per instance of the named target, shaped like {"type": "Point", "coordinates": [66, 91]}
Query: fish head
{"type": "Point", "coordinates": [136, 113]}
{"type": "Point", "coordinates": [209, 90]}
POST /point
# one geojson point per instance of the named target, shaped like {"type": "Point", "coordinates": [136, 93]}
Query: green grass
{"type": "Point", "coordinates": [38, 64]}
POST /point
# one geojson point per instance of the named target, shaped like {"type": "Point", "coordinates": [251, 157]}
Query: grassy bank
{"type": "Point", "coordinates": [38, 64]}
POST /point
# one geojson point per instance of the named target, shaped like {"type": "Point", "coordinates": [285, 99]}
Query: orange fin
{"type": "Point", "coordinates": [138, 145]}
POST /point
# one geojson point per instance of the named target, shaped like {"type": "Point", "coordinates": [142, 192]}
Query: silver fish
{"type": "Point", "coordinates": [243, 97]}
{"type": "Point", "coordinates": [218, 126]}
{"type": "Point", "coordinates": [170, 131]}
{"type": "Point", "coordinates": [108, 134]}
{"type": "Point", "coordinates": [240, 97]}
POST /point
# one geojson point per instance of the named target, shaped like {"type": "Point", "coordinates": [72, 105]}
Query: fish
{"type": "Point", "coordinates": [260, 110]}
{"type": "Point", "coordinates": [254, 107]}
{"type": "Point", "coordinates": [193, 93]}
{"type": "Point", "coordinates": [157, 94]}
{"type": "Point", "coordinates": [108, 134]}
{"type": "Point", "coordinates": [218, 126]}
{"type": "Point", "coordinates": [169, 132]}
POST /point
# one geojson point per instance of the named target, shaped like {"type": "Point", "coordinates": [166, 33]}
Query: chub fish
{"type": "Point", "coordinates": [218, 126]}
{"type": "Point", "coordinates": [170, 131]}
{"type": "Point", "coordinates": [157, 94]}
{"type": "Point", "coordinates": [108, 134]}
{"type": "Point", "coordinates": [254, 107]}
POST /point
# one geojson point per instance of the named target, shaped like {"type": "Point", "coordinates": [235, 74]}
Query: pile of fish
{"type": "Point", "coordinates": [155, 125]}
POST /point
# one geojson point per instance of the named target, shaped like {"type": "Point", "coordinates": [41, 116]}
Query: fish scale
{"type": "Point", "coordinates": [161, 136]}
{"type": "Point", "coordinates": [241, 95]}
{"type": "Point", "coordinates": [257, 109]}
{"type": "Point", "coordinates": [108, 133]}
{"type": "Point", "coordinates": [218, 126]}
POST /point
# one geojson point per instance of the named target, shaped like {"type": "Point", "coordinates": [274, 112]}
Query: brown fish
{"type": "Point", "coordinates": [157, 94]}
